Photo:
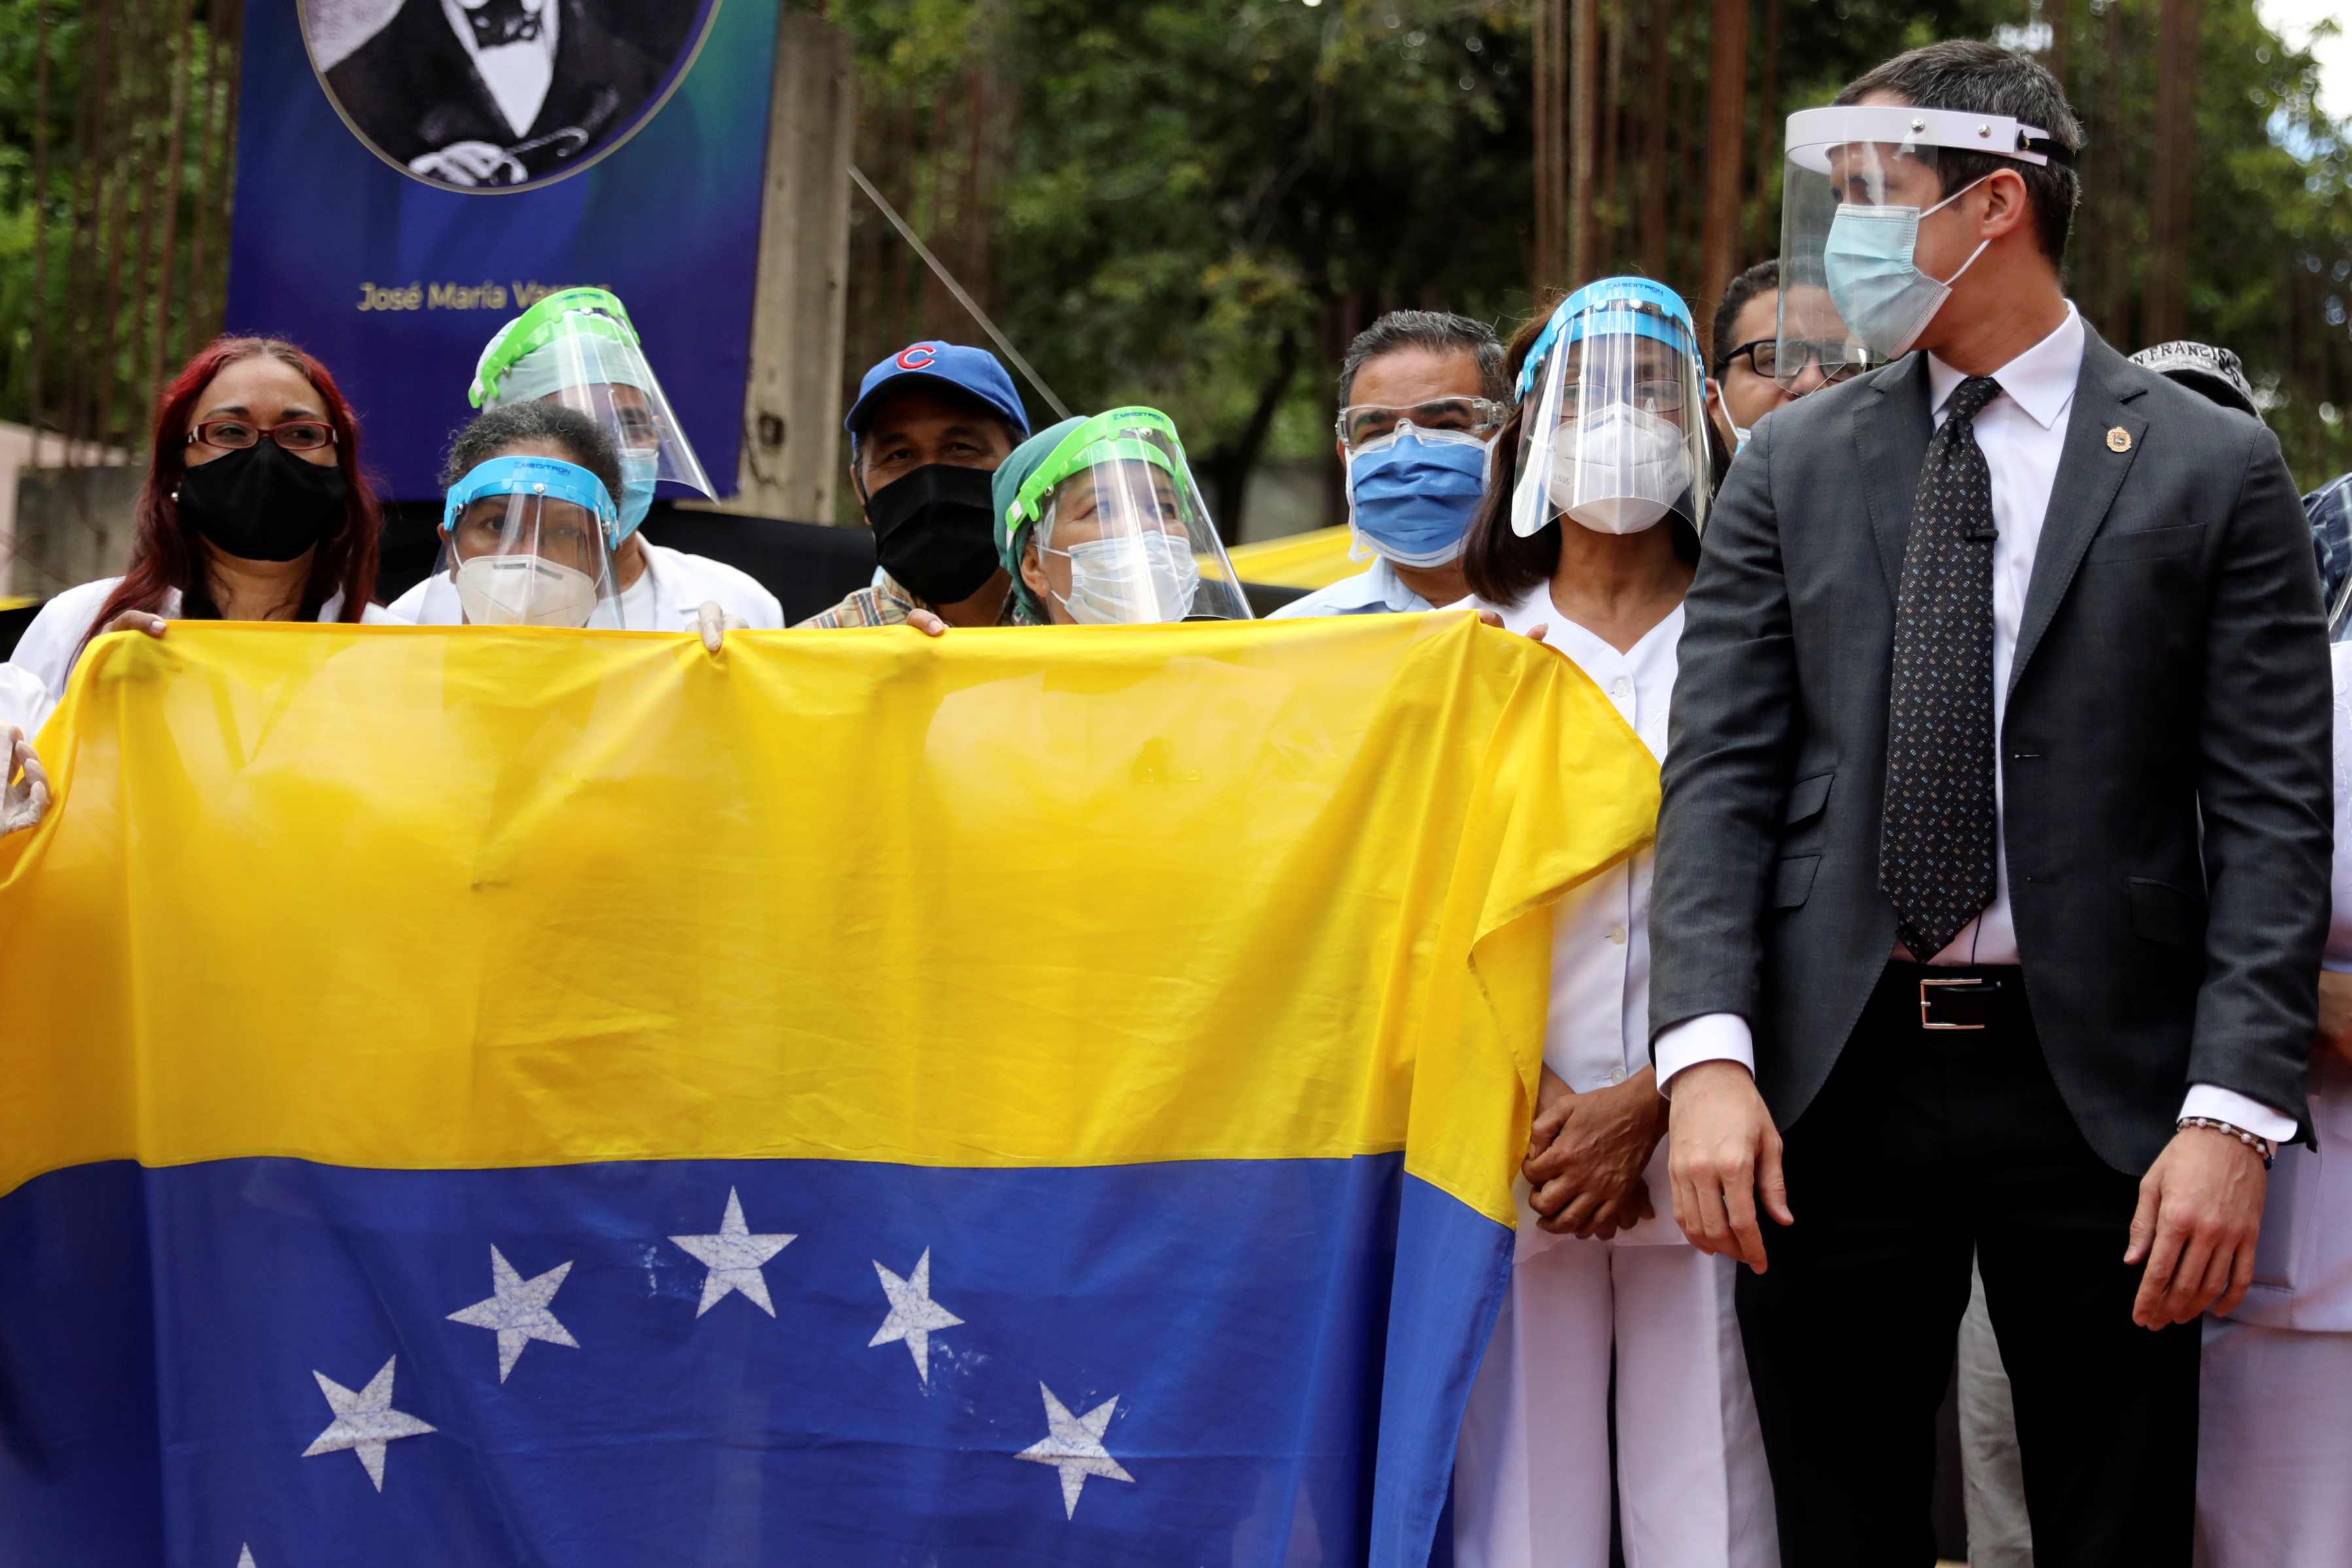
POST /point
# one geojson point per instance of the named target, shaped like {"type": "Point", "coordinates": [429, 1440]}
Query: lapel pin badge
{"type": "Point", "coordinates": [2118, 440]}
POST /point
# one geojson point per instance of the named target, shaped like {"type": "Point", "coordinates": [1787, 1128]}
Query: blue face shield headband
{"type": "Point", "coordinates": [1588, 313]}
{"type": "Point", "coordinates": [548, 477]}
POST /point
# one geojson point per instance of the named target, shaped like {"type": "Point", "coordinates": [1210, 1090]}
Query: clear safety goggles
{"type": "Point", "coordinates": [1857, 181]}
{"type": "Point", "coordinates": [1613, 437]}
{"type": "Point", "coordinates": [578, 347]}
{"type": "Point", "coordinates": [528, 541]}
{"type": "Point", "coordinates": [1359, 423]}
{"type": "Point", "coordinates": [1121, 532]}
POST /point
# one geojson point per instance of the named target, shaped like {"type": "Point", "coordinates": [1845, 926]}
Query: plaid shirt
{"type": "Point", "coordinates": [884, 605]}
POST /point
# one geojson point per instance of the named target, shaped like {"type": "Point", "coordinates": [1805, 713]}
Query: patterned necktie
{"type": "Point", "coordinates": [1936, 846]}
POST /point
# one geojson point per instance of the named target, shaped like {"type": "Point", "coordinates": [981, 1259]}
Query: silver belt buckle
{"type": "Point", "coordinates": [1927, 1002]}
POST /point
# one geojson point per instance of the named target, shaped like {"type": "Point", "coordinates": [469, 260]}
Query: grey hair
{"type": "Point", "coordinates": [1978, 77]}
{"type": "Point", "coordinates": [1439, 332]}
{"type": "Point", "coordinates": [512, 423]}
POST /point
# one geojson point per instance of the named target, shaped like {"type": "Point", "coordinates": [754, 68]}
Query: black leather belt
{"type": "Point", "coordinates": [1960, 999]}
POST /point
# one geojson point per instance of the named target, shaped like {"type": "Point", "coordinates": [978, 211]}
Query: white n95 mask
{"type": "Point", "coordinates": [524, 591]}
{"type": "Point", "coordinates": [1133, 580]}
{"type": "Point", "coordinates": [1618, 471]}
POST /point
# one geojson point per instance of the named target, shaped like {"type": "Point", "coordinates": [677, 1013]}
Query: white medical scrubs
{"type": "Point", "coordinates": [664, 599]}
{"type": "Point", "coordinates": [1531, 1475]}
{"type": "Point", "coordinates": [1379, 592]}
{"type": "Point", "coordinates": [53, 642]}
{"type": "Point", "coordinates": [2274, 1438]}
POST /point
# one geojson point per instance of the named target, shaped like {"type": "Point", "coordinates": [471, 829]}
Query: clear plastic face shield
{"type": "Point", "coordinates": [578, 348]}
{"type": "Point", "coordinates": [1614, 433]}
{"type": "Point", "coordinates": [1859, 180]}
{"type": "Point", "coordinates": [528, 542]}
{"type": "Point", "coordinates": [1122, 534]}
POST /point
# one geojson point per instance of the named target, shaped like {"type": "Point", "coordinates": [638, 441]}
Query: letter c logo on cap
{"type": "Point", "coordinates": [918, 357]}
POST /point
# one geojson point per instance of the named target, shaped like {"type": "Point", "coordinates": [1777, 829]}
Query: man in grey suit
{"type": "Point", "coordinates": [1980, 645]}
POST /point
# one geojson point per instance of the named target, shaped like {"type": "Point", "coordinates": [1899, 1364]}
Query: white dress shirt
{"type": "Point", "coordinates": [2022, 434]}
{"type": "Point", "coordinates": [518, 74]}
{"type": "Point", "coordinates": [1379, 592]}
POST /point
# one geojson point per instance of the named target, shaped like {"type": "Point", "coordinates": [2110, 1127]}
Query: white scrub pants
{"type": "Point", "coordinates": [1531, 1476]}
{"type": "Point", "coordinates": [2275, 1447]}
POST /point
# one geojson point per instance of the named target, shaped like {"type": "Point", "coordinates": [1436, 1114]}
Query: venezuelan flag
{"type": "Point", "coordinates": [494, 1096]}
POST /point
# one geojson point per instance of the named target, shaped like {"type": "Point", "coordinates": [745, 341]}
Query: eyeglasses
{"type": "Point", "coordinates": [1649, 396]}
{"type": "Point", "coordinates": [1763, 356]}
{"type": "Point", "coordinates": [235, 435]}
{"type": "Point", "coordinates": [1362, 422]}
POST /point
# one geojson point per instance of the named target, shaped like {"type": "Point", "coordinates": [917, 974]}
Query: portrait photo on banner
{"type": "Point", "coordinates": [497, 94]}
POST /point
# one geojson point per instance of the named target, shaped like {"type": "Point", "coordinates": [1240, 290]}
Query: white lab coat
{"type": "Point", "coordinates": [2275, 1443]}
{"type": "Point", "coordinates": [1531, 1476]}
{"type": "Point", "coordinates": [53, 642]}
{"type": "Point", "coordinates": [664, 599]}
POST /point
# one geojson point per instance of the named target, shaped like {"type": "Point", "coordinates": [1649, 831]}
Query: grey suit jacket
{"type": "Point", "coordinates": [2172, 657]}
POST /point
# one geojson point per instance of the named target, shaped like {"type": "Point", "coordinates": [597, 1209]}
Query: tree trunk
{"type": "Point", "coordinates": [1584, 102]}
{"type": "Point", "coordinates": [1727, 122]}
{"type": "Point", "coordinates": [1229, 465]}
{"type": "Point", "coordinates": [1550, 160]}
{"type": "Point", "coordinates": [2166, 311]}
{"type": "Point", "coordinates": [40, 219]}
{"type": "Point", "coordinates": [172, 182]}
{"type": "Point", "coordinates": [1657, 16]}
{"type": "Point", "coordinates": [1767, 140]}
{"type": "Point", "coordinates": [1612, 136]}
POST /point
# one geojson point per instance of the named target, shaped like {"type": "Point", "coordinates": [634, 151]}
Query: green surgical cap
{"type": "Point", "coordinates": [1003, 486]}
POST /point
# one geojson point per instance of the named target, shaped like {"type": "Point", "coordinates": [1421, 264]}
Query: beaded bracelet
{"type": "Point", "coordinates": [2262, 1146]}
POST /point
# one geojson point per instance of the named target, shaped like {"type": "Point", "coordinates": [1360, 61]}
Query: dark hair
{"type": "Point", "coordinates": [1978, 77]}
{"type": "Point", "coordinates": [1439, 332]}
{"type": "Point", "coordinates": [1763, 277]}
{"type": "Point", "coordinates": [1497, 563]}
{"type": "Point", "coordinates": [512, 423]}
{"type": "Point", "coordinates": [165, 554]}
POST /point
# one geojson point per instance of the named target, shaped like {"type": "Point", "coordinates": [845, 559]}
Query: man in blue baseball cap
{"type": "Point", "coordinates": [930, 423]}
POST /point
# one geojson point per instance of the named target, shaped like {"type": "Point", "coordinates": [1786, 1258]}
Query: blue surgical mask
{"type": "Point", "coordinates": [638, 469]}
{"type": "Point", "coordinates": [1874, 282]}
{"type": "Point", "coordinates": [1411, 493]}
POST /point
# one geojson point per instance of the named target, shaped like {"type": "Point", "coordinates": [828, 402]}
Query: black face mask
{"type": "Point", "coordinates": [934, 531]}
{"type": "Point", "coordinates": [262, 502]}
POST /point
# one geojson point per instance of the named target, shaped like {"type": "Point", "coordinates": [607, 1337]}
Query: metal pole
{"type": "Point", "coordinates": [956, 288]}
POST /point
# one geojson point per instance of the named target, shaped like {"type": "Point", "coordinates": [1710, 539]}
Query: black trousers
{"type": "Point", "coordinates": [1925, 1147]}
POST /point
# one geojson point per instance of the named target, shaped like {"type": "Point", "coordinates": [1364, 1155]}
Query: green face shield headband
{"type": "Point", "coordinates": [568, 312]}
{"type": "Point", "coordinates": [1105, 438]}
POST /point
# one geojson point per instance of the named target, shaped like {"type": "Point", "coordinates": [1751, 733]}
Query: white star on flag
{"type": "Point", "coordinates": [1074, 1446]}
{"type": "Point", "coordinates": [914, 1316]}
{"type": "Point", "coordinates": [364, 1421]}
{"type": "Point", "coordinates": [518, 1310]}
{"type": "Point", "coordinates": [245, 1558]}
{"type": "Point", "coordinates": [734, 1257]}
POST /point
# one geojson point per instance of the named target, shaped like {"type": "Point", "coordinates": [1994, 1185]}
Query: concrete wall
{"type": "Point", "coordinates": [71, 525]}
{"type": "Point", "coordinates": [792, 406]}
{"type": "Point", "coordinates": [19, 449]}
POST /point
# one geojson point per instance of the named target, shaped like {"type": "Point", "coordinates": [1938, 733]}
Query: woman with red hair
{"type": "Point", "coordinates": [255, 509]}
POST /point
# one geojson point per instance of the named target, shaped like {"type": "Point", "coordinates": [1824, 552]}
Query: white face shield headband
{"type": "Point", "coordinates": [1858, 181]}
